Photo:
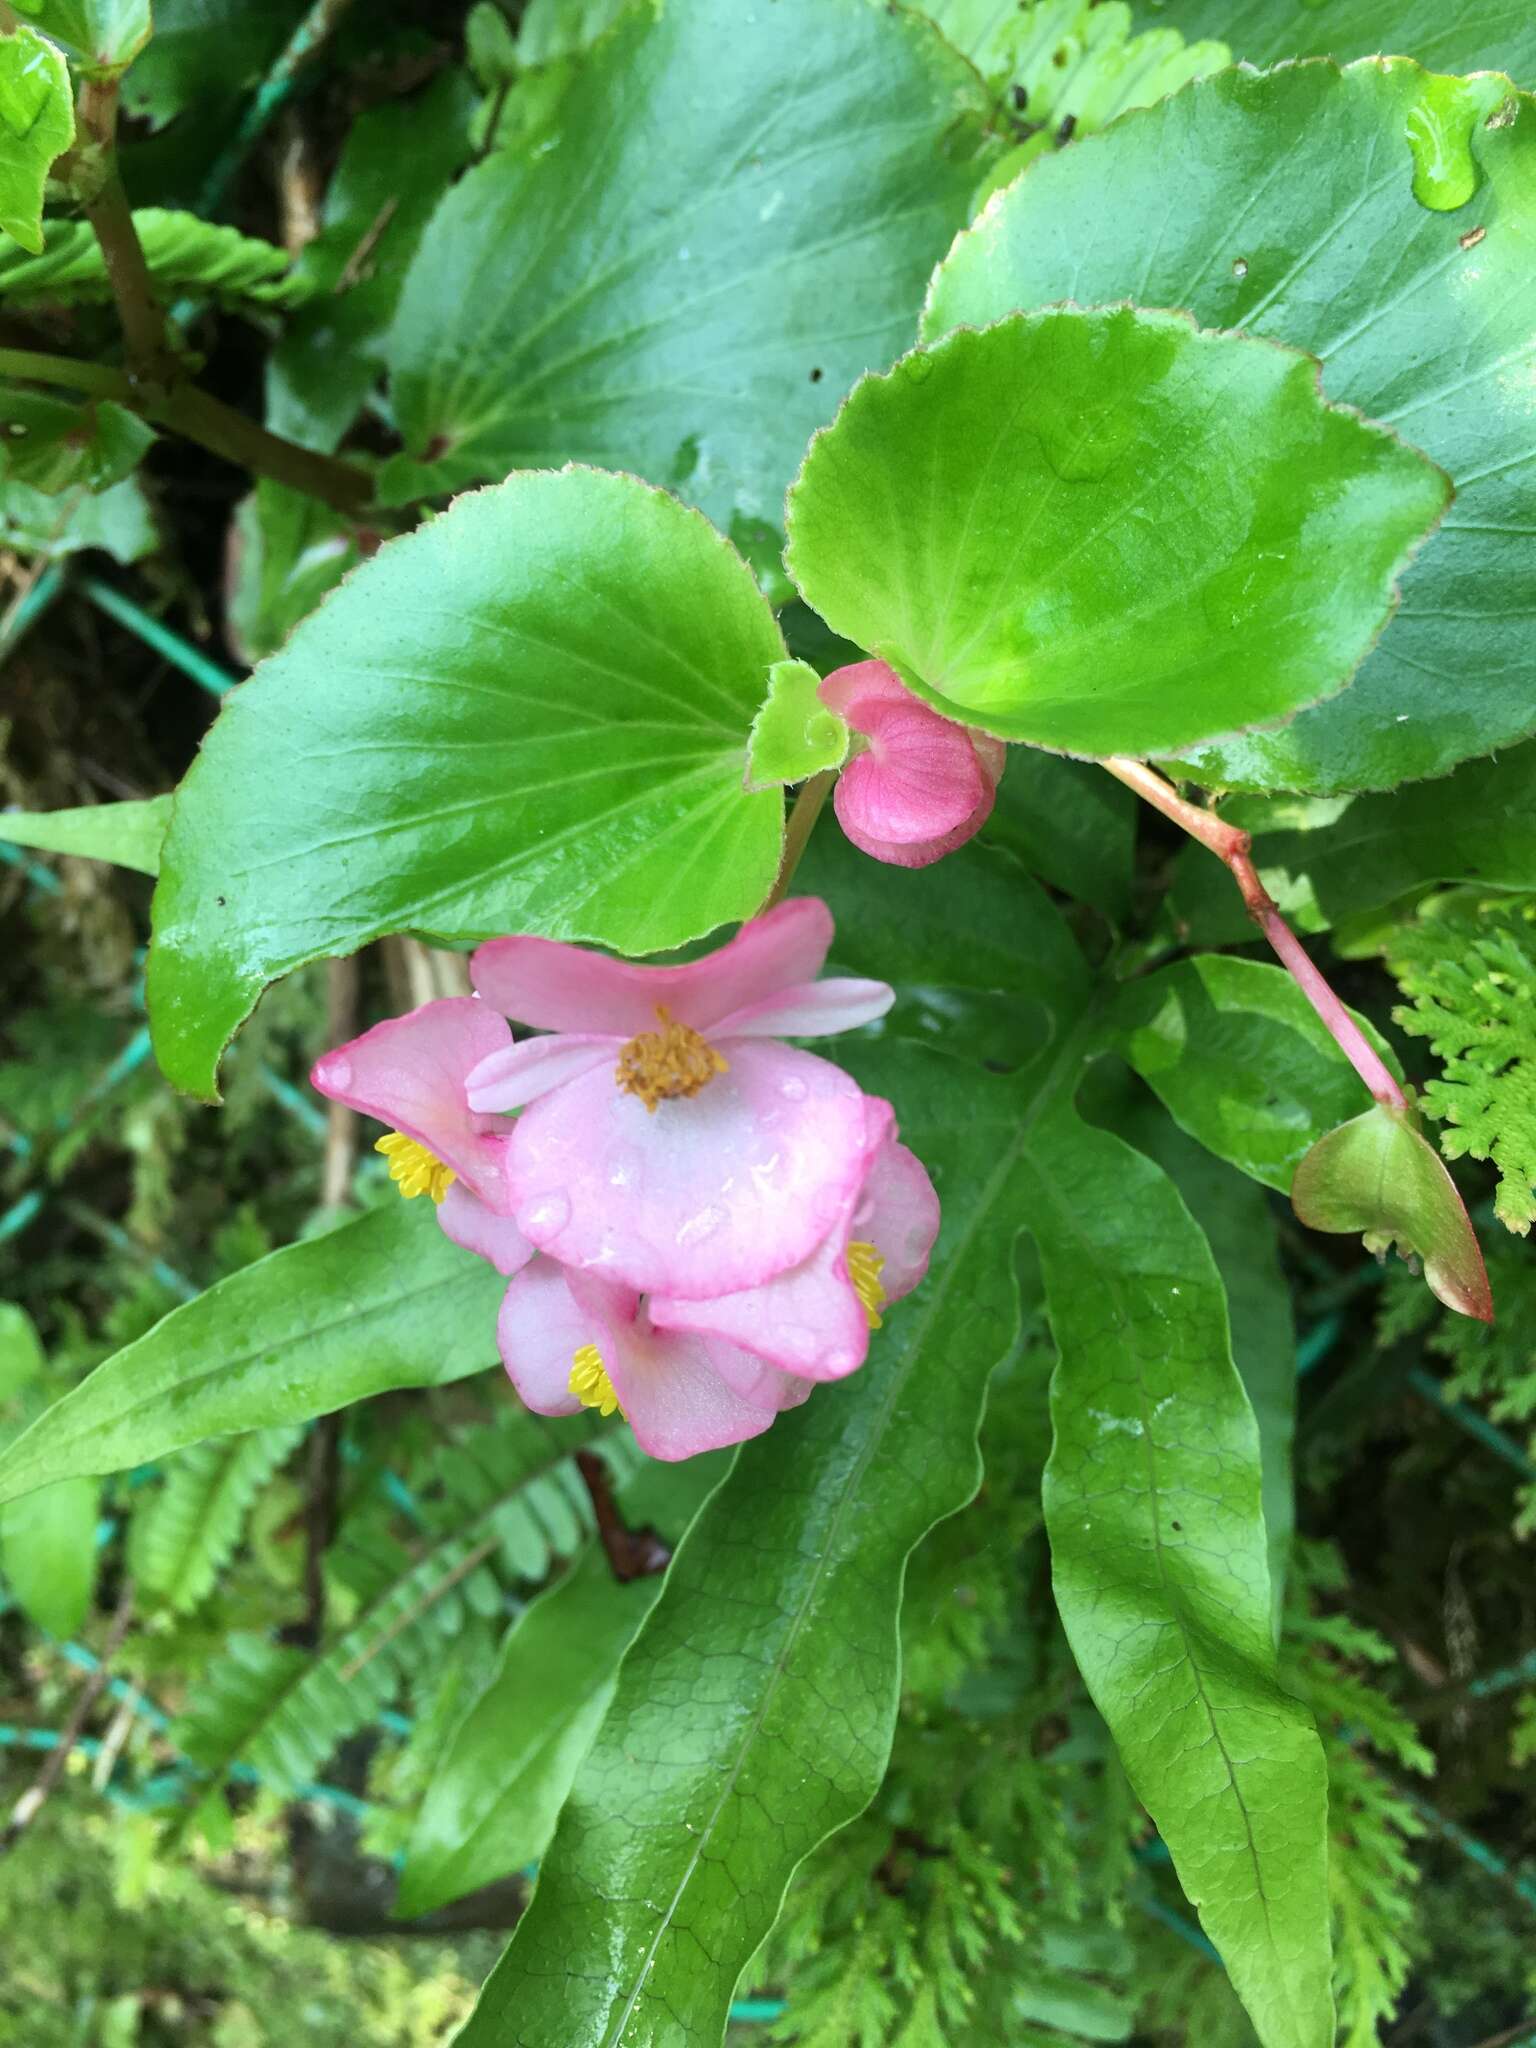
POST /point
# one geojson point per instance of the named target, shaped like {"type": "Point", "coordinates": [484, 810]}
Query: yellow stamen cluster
{"type": "Point", "coordinates": [413, 1169]}
{"type": "Point", "coordinates": [590, 1383]}
{"type": "Point", "coordinates": [659, 1066]}
{"type": "Point", "coordinates": [865, 1265]}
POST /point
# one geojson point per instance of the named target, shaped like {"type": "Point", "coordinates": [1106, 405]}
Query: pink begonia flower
{"type": "Point", "coordinates": [410, 1072]}
{"type": "Point", "coordinates": [696, 1375]}
{"type": "Point", "coordinates": [920, 785]}
{"type": "Point", "coordinates": [724, 1216]}
{"type": "Point", "coordinates": [667, 1141]}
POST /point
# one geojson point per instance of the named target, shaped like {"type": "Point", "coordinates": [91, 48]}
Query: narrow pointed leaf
{"type": "Point", "coordinates": [383, 1302]}
{"type": "Point", "coordinates": [1159, 1560]}
{"type": "Point", "coordinates": [128, 834]}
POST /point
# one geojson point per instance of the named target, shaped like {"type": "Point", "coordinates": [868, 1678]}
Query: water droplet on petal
{"type": "Point", "coordinates": [336, 1072]}
{"type": "Point", "coordinates": [793, 1089]}
{"type": "Point", "coordinates": [545, 1218]}
{"type": "Point", "coordinates": [838, 1362]}
{"type": "Point", "coordinates": [704, 1224]}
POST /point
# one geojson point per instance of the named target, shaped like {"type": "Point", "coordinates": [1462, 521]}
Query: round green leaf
{"type": "Point", "coordinates": [733, 217]}
{"type": "Point", "coordinates": [530, 715]}
{"type": "Point", "coordinates": [1107, 531]}
{"type": "Point", "coordinates": [1456, 35]}
{"type": "Point", "coordinates": [101, 35]}
{"type": "Point", "coordinates": [1294, 215]}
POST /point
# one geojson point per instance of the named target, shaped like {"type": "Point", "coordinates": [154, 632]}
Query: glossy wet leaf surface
{"type": "Point", "coordinates": [531, 715]}
{"type": "Point", "coordinates": [1447, 35]}
{"type": "Point", "coordinates": [691, 312]}
{"type": "Point", "coordinates": [1422, 317]}
{"type": "Point", "coordinates": [1107, 532]}
{"type": "Point", "coordinates": [385, 1301]}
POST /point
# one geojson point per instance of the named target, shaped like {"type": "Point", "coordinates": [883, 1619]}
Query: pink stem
{"type": "Point", "coordinates": [1234, 848]}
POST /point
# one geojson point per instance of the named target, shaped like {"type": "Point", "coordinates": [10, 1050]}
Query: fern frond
{"type": "Point", "coordinates": [184, 253]}
{"type": "Point", "coordinates": [509, 1495]}
{"type": "Point", "coordinates": [1468, 965]}
{"type": "Point", "coordinates": [184, 1535]}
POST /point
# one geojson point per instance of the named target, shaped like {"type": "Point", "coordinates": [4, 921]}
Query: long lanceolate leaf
{"type": "Point", "coordinates": [515, 1495]}
{"type": "Point", "coordinates": [1152, 1500]}
{"type": "Point", "coordinates": [383, 1302]}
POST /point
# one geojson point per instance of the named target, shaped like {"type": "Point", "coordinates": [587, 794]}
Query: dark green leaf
{"type": "Point", "coordinates": [37, 124]}
{"type": "Point", "coordinates": [128, 834]}
{"type": "Point", "coordinates": [394, 168]}
{"type": "Point", "coordinates": [289, 550]}
{"type": "Point", "coordinates": [1240, 1058]}
{"type": "Point", "coordinates": [1070, 824]}
{"type": "Point", "coordinates": [383, 1302]}
{"type": "Point", "coordinates": [54, 445]}
{"type": "Point", "coordinates": [206, 50]}
{"type": "Point", "coordinates": [1422, 318]}
{"type": "Point", "coordinates": [1068, 457]}
{"type": "Point", "coordinates": [102, 35]}
{"type": "Point", "coordinates": [1324, 860]}
{"type": "Point", "coordinates": [1472, 35]}
{"type": "Point", "coordinates": [537, 707]}
{"type": "Point", "coordinates": [1152, 1501]}
{"type": "Point", "coordinates": [690, 313]}
{"type": "Point", "coordinates": [117, 520]}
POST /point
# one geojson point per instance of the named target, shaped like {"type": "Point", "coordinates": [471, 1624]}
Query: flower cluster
{"type": "Point", "coordinates": [697, 1221]}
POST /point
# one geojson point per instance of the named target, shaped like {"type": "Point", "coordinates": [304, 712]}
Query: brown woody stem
{"type": "Point", "coordinates": [1234, 848]}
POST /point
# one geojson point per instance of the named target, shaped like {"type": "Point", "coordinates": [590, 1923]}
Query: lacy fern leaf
{"type": "Point", "coordinates": [184, 1535]}
{"type": "Point", "coordinates": [508, 1494]}
{"type": "Point", "coordinates": [1468, 967]}
{"type": "Point", "coordinates": [183, 252]}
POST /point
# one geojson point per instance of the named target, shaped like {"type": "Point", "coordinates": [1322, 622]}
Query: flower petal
{"type": "Point", "coordinates": [671, 1389]}
{"type": "Point", "coordinates": [467, 1220]}
{"type": "Point", "coordinates": [702, 1195]}
{"type": "Point", "coordinates": [898, 1213]}
{"type": "Point", "coordinates": [813, 1009]}
{"type": "Point", "coordinates": [542, 1326]}
{"type": "Point", "coordinates": [410, 1072]}
{"type": "Point", "coordinates": [808, 1321]}
{"type": "Point", "coordinates": [521, 1073]}
{"type": "Point", "coordinates": [554, 987]}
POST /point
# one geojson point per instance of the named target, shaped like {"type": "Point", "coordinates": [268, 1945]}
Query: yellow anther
{"type": "Point", "coordinates": [659, 1066]}
{"type": "Point", "coordinates": [413, 1169]}
{"type": "Point", "coordinates": [590, 1383]}
{"type": "Point", "coordinates": [865, 1266]}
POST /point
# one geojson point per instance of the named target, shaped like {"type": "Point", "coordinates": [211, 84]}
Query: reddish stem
{"type": "Point", "coordinates": [1234, 848]}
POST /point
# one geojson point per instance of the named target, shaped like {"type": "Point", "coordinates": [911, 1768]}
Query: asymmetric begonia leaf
{"type": "Point", "coordinates": [794, 734]}
{"type": "Point", "coordinates": [530, 715]}
{"type": "Point", "coordinates": [1471, 35]}
{"type": "Point", "coordinates": [206, 51]}
{"type": "Point", "coordinates": [128, 834]}
{"type": "Point", "coordinates": [689, 312]}
{"type": "Point", "coordinates": [1297, 213]}
{"type": "Point", "coordinates": [37, 124]}
{"type": "Point", "coordinates": [1240, 1059]}
{"type": "Point", "coordinates": [102, 35]}
{"type": "Point", "coordinates": [1158, 1556]}
{"type": "Point", "coordinates": [118, 520]}
{"type": "Point", "coordinates": [54, 445]}
{"type": "Point", "coordinates": [383, 1302]}
{"type": "Point", "coordinates": [1072, 460]}
{"type": "Point", "coordinates": [1324, 860]}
